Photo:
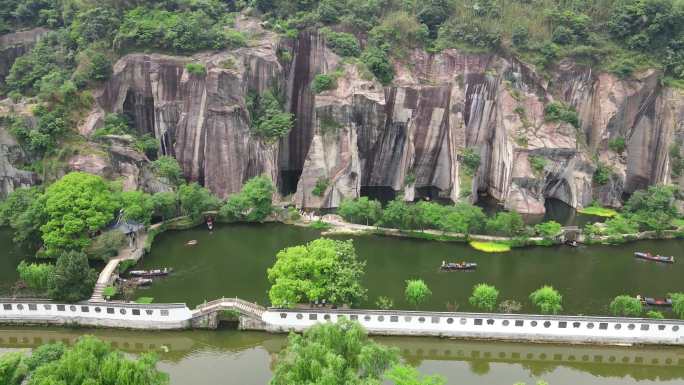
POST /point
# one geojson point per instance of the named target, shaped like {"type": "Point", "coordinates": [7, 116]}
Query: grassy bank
{"type": "Point", "coordinates": [598, 211]}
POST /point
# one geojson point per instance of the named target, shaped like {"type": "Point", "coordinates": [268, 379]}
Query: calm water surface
{"type": "Point", "coordinates": [233, 259]}
{"type": "Point", "coordinates": [245, 358]}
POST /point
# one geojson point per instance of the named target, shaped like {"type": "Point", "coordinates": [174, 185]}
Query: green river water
{"type": "Point", "coordinates": [232, 261]}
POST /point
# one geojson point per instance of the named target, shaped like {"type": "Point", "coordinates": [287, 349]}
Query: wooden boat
{"type": "Point", "coordinates": [191, 242]}
{"type": "Point", "coordinates": [661, 302]}
{"type": "Point", "coordinates": [458, 266]}
{"type": "Point", "coordinates": [655, 258]}
{"type": "Point", "coordinates": [151, 273]}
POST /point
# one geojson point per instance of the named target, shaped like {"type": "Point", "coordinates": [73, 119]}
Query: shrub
{"type": "Point", "coordinates": [654, 314]}
{"type": "Point", "coordinates": [197, 69]}
{"type": "Point", "coordinates": [109, 292]}
{"type": "Point", "coordinates": [547, 299]}
{"type": "Point", "coordinates": [678, 304]}
{"type": "Point", "coordinates": [549, 229]}
{"type": "Point", "coordinates": [506, 223]}
{"type": "Point", "coordinates": [254, 203]}
{"type": "Point", "coordinates": [342, 43]}
{"type": "Point", "coordinates": [602, 174]}
{"type": "Point", "coordinates": [470, 159]}
{"type": "Point", "coordinates": [106, 245]}
{"type": "Point", "coordinates": [384, 303]}
{"type": "Point", "coordinates": [323, 82]}
{"type": "Point", "coordinates": [510, 306]}
{"type": "Point", "coordinates": [36, 276]}
{"type": "Point", "coordinates": [537, 162]}
{"type": "Point", "coordinates": [168, 167]}
{"type": "Point", "coordinates": [617, 144]}
{"type": "Point", "coordinates": [268, 118]}
{"type": "Point", "coordinates": [558, 111]}
{"type": "Point", "coordinates": [520, 36]}
{"type": "Point", "coordinates": [378, 62]}
{"type": "Point", "coordinates": [320, 187]}
{"type": "Point", "coordinates": [625, 305]}
{"type": "Point", "coordinates": [144, 300]}
{"type": "Point", "coordinates": [319, 225]}
{"type": "Point", "coordinates": [416, 292]}
{"type": "Point", "coordinates": [484, 297]}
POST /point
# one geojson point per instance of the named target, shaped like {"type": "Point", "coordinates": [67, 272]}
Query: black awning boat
{"type": "Point", "coordinates": [458, 266]}
{"type": "Point", "coordinates": [655, 258]}
{"type": "Point", "coordinates": [662, 302]}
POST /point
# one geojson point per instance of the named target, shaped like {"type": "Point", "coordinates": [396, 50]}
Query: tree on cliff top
{"type": "Point", "coordinates": [323, 269]}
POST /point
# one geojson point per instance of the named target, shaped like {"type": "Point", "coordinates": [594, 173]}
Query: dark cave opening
{"type": "Point", "coordinates": [288, 181]}
{"type": "Point", "coordinates": [383, 194]}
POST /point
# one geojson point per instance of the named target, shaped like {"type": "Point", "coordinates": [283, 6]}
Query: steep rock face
{"type": "Point", "coordinates": [117, 160]}
{"type": "Point", "coordinates": [202, 120]}
{"type": "Point", "coordinates": [16, 44]}
{"type": "Point", "coordinates": [406, 137]}
{"type": "Point", "coordinates": [12, 178]}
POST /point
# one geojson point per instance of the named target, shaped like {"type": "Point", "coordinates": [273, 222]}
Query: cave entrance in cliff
{"type": "Point", "coordinates": [383, 194]}
{"type": "Point", "coordinates": [431, 193]}
{"type": "Point", "coordinates": [288, 181]}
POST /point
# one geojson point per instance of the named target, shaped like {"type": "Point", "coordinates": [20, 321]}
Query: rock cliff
{"type": "Point", "coordinates": [405, 137]}
{"type": "Point", "coordinates": [13, 45]}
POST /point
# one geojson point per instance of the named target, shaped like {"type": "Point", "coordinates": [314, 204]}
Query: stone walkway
{"type": "Point", "coordinates": [107, 274]}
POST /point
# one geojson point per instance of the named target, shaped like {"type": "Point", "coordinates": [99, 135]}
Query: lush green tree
{"type": "Point", "coordinates": [361, 210]}
{"type": "Point", "coordinates": [416, 292]}
{"type": "Point", "coordinates": [653, 208]}
{"type": "Point", "coordinates": [89, 362]}
{"type": "Point", "coordinates": [323, 269]}
{"type": "Point", "coordinates": [678, 304]}
{"type": "Point", "coordinates": [484, 297]}
{"type": "Point", "coordinates": [621, 225]}
{"type": "Point", "coordinates": [342, 43]}
{"type": "Point", "coordinates": [76, 206]}
{"type": "Point", "coordinates": [548, 229]}
{"type": "Point", "coordinates": [165, 205]}
{"type": "Point", "coordinates": [397, 214]}
{"type": "Point", "coordinates": [37, 276]}
{"type": "Point", "coordinates": [12, 368]}
{"type": "Point", "coordinates": [408, 375]}
{"type": "Point", "coordinates": [168, 167]}
{"type": "Point", "coordinates": [625, 305]}
{"type": "Point", "coordinates": [24, 213]}
{"type": "Point", "coordinates": [463, 218]}
{"type": "Point", "coordinates": [547, 299]}
{"type": "Point", "coordinates": [506, 223]}
{"type": "Point", "coordinates": [195, 200]}
{"type": "Point", "coordinates": [73, 278]}
{"type": "Point", "coordinates": [137, 206]}
{"type": "Point", "coordinates": [254, 203]}
{"type": "Point", "coordinates": [335, 354]}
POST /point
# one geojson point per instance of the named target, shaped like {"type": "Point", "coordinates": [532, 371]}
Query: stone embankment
{"type": "Point", "coordinates": [505, 327]}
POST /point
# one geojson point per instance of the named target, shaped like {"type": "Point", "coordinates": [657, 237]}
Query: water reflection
{"type": "Point", "coordinates": [247, 357]}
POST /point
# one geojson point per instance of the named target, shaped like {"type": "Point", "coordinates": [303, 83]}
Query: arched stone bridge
{"type": "Point", "coordinates": [208, 315]}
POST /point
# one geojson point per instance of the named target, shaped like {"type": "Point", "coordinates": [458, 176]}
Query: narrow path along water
{"type": "Point", "coordinates": [213, 357]}
{"type": "Point", "coordinates": [233, 260]}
